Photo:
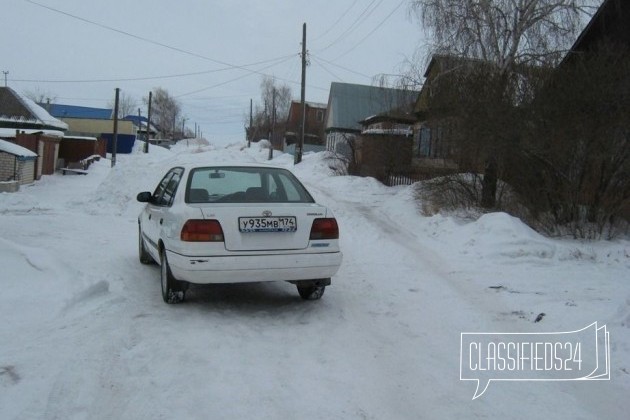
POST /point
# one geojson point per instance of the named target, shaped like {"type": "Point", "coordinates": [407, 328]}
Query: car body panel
{"type": "Point", "coordinates": [243, 256]}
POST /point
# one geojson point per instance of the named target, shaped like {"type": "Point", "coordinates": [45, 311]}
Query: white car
{"type": "Point", "coordinates": [237, 223]}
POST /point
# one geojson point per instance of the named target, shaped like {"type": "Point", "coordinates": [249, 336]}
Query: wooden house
{"type": "Point", "coordinates": [27, 124]}
{"type": "Point", "coordinates": [314, 127]}
{"type": "Point", "coordinates": [349, 104]}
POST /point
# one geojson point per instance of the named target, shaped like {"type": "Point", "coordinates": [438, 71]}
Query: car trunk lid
{"type": "Point", "coordinates": [265, 227]}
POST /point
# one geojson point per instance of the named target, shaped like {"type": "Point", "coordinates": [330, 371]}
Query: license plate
{"type": "Point", "coordinates": [267, 224]}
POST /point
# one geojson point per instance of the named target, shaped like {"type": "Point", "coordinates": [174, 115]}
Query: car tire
{"type": "Point", "coordinates": [312, 292]}
{"type": "Point", "coordinates": [145, 257]}
{"type": "Point", "coordinates": [172, 289]}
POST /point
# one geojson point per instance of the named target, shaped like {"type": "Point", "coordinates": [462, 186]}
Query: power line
{"type": "Point", "coordinates": [318, 62]}
{"type": "Point", "coordinates": [138, 37]}
{"type": "Point", "coordinates": [341, 67]}
{"type": "Point", "coordinates": [336, 22]}
{"type": "Point", "coordinates": [357, 22]}
{"type": "Point", "coordinates": [135, 79]}
{"type": "Point", "coordinates": [373, 30]}
{"type": "Point", "coordinates": [231, 80]}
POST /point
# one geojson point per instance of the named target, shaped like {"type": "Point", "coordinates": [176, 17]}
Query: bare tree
{"type": "Point", "coordinates": [275, 101]}
{"type": "Point", "coordinates": [504, 32]}
{"type": "Point", "coordinates": [510, 35]}
{"type": "Point", "coordinates": [165, 111]}
{"type": "Point", "coordinates": [127, 105]}
{"type": "Point", "coordinates": [41, 97]}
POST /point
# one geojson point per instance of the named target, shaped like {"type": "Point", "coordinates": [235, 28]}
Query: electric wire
{"type": "Point", "coordinates": [138, 37]}
{"type": "Point", "coordinates": [135, 79]}
{"type": "Point", "coordinates": [336, 22]}
{"type": "Point", "coordinates": [320, 64]}
{"type": "Point", "coordinates": [372, 31]}
{"type": "Point", "coordinates": [341, 67]}
{"type": "Point", "coordinates": [357, 22]}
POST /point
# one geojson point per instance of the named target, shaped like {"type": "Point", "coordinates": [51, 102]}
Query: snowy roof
{"type": "Point", "coordinates": [15, 150]}
{"type": "Point", "coordinates": [389, 131]}
{"type": "Point", "coordinates": [89, 138]}
{"type": "Point", "coordinates": [17, 110]}
{"type": "Point", "coordinates": [9, 133]}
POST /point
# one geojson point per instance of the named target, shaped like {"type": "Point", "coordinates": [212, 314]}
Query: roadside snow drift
{"type": "Point", "coordinates": [85, 333]}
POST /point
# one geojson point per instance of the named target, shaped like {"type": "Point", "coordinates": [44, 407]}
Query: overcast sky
{"type": "Point", "coordinates": [214, 52]}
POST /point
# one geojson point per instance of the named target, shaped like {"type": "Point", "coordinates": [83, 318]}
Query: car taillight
{"type": "Point", "coordinates": [324, 229]}
{"type": "Point", "coordinates": [202, 231]}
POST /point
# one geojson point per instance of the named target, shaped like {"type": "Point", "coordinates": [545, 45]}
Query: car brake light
{"type": "Point", "coordinates": [202, 231]}
{"type": "Point", "coordinates": [324, 229]}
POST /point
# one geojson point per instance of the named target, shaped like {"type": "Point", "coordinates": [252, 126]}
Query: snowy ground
{"type": "Point", "coordinates": [85, 333]}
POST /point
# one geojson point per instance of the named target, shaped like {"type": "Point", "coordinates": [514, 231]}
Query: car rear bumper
{"type": "Point", "coordinates": [254, 268]}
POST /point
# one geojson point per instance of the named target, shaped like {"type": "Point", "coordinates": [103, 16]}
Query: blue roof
{"type": "Point", "coordinates": [135, 118]}
{"type": "Point", "coordinates": [73, 111]}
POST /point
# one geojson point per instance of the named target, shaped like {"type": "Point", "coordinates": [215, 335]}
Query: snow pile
{"type": "Point", "coordinates": [86, 334]}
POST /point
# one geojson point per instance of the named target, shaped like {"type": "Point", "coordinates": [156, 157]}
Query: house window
{"type": "Point", "coordinates": [319, 116]}
{"type": "Point", "coordinates": [423, 142]}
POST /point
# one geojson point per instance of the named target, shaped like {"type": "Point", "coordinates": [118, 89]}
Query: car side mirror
{"type": "Point", "coordinates": [144, 197]}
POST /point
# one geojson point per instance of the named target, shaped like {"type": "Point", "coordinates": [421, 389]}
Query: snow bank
{"type": "Point", "coordinates": [86, 334]}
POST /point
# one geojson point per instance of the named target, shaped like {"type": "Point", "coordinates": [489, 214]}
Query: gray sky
{"type": "Point", "coordinates": [215, 51]}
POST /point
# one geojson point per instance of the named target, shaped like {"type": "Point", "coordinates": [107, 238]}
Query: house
{"type": "Point", "coordinates": [19, 113]}
{"type": "Point", "coordinates": [96, 122]}
{"type": "Point", "coordinates": [349, 104]}
{"type": "Point", "coordinates": [140, 124]}
{"type": "Point", "coordinates": [384, 147]}
{"type": "Point", "coordinates": [17, 166]}
{"type": "Point", "coordinates": [314, 127]}
{"type": "Point", "coordinates": [27, 124]}
{"type": "Point", "coordinates": [431, 143]}
{"type": "Point", "coordinates": [87, 121]}
{"type": "Point", "coordinates": [608, 28]}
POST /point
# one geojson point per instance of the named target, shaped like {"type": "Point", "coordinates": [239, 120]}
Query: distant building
{"type": "Point", "coordinates": [314, 128]}
{"type": "Point", "coordinates": [349, 104]}
{"type": "Point", "coordinates": [90, 122]}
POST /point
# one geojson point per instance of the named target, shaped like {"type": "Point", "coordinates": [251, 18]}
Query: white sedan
{"type": "Point", "coordinates": [237, 223]}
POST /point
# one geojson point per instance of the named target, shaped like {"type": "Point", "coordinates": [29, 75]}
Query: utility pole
{"type": "Point", "coordinates": [273, 120]}
{"type": "Point", "coordinates": [139, 131]}
{"type": "Point", "coordinates": [251, 123]}
{"type": "Point", "coordinates": [115, 137]}
{"type": "Point", "coordinates": [146, 145]}
{"type": "Point", "coordinates": [6, 73]}
{"type": "Point", "coordinates": [300, 145]}
{"type": "Point", "coordinates": [184, 127]}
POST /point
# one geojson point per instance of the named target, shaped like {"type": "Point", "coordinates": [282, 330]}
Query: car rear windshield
{"type": "Point", "coordinates": [232, 184]}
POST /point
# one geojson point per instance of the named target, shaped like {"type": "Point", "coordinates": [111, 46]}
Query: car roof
{"type": "Point", "coordinates": [190, 166]}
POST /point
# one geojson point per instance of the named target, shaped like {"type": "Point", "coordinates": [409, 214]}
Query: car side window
{"type": "Point", "coordinates": [165, 192]}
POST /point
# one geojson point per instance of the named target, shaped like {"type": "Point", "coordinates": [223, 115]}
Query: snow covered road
{"type": "Point", "coordinates": [86, 334]}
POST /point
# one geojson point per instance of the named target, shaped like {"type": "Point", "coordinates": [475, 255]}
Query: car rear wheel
{"type": "Point", "coordinates": [312, 292]}
{"type": "Point", "coordinates": [173, 291]}
{"type": "Point", "coordinates": [145, 257]}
